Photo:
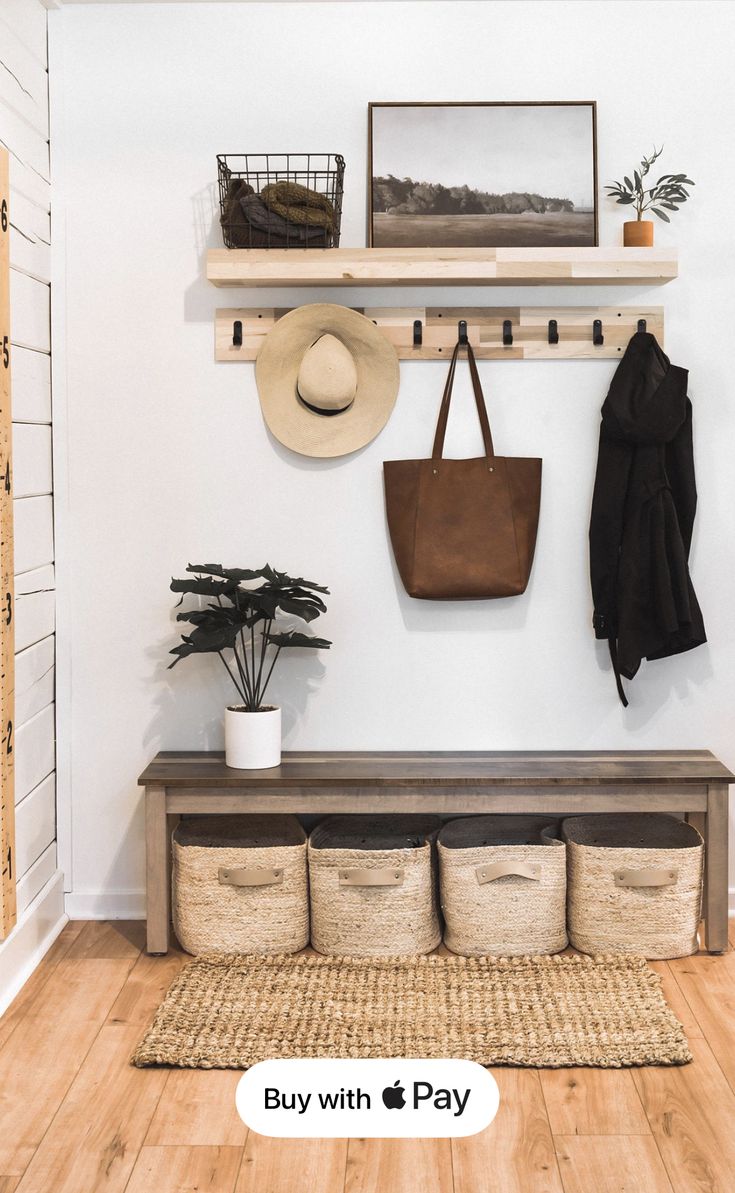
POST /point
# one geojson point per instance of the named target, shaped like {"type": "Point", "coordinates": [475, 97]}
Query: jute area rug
{"type": "Point", "coordinates": [227, 1012]}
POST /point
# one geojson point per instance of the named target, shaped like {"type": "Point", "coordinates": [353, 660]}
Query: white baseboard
{"type": "Point", "coordinates": [106, 905]}
{"type": "Point", "coordinates": [31, 938]}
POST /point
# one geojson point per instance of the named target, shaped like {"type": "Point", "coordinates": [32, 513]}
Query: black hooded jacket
{"type": "Point", "coordinates": [643, 510]}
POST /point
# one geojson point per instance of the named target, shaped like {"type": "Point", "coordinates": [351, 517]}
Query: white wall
{"type": "Point", "coordinates": [24, 131]}
{"type": "Point", "coordinates": [168, 458]}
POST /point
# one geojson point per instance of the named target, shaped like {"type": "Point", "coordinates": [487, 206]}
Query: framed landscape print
{"type": "Point", "coordinates": [454, 175]}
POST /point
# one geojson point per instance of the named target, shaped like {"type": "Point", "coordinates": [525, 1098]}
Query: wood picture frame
{"type": "Point", "coordinates": [491, 201]}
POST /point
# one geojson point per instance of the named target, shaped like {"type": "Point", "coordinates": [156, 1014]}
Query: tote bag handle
{"type": "Point", "coordinates": [441, 425]}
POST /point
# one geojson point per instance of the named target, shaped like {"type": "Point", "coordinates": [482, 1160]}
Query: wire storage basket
{"type": "Point", "coordinates": [280, 200]}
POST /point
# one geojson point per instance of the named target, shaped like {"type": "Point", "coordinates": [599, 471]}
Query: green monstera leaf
{"type": "Point", "coordinates": [205, 640]}
{"type": "Point", "coordinates": [292, 638]}
{"type": "Point", "coordinates": [237, 574]}
{"type": "Point", "coordinates": [206, 586]}
{"type": "Point", "coordinates": [283, 580]}
{"type": "Point", "coordinates": [240, 617]}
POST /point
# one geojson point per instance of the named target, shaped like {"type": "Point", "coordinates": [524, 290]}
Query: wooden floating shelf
{"type": "Point", "coordinates": [530, 329]}
{"type": "Point", "coordinates": [441, 267]}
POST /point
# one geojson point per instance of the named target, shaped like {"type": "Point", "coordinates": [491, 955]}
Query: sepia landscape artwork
{"type": "Point", "coordinates": [482, 175]}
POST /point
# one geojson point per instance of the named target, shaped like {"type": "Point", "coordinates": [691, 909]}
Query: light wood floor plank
{"type": "Point", "coordinates": [100, 1126]}
{"type": "Point", "coordinates": [395, 1165]}
{"type": "Point", "coordinates": [187, 1170]}
{"type": "Point", "coordinates": [691, 1109]}
{"type": "Point", "coordinates": [708, 985]}
{"type": "Point", "coordinates": [515, 1154]}
{"type": "Point", "coordinates": [611, 1164]}
{"type": "Point", "coordinates": [8, 1184]}
{"type": "Point", "coordinates": [143, 992]}
{"type": "Point", "coordinates": [20, 1004]}
{"type": "Point", "coordinates": [674, 996]}
{"type": "Point", "coordinates": [109, 939]}
{"type": "Point", "coordinates": [593, 1102]}
{"type": "Point", "coordinates": [45, 1052]}
{"type": "Point", "coordinates": [293, 1165]}
{"type": "Point", "coordinates": [197, 1106]}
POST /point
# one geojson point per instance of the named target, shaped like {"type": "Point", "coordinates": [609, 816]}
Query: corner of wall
{"type": "Point", "coordinates": [31, 938]}
{"type": "Point", "coordinates": [57, 125]}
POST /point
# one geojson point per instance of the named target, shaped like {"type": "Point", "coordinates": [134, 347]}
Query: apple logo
{"type": "Point", "coordinates": [393, 1096]}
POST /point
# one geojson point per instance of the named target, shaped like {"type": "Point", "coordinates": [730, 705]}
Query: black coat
{"type": "Point", "coordinates": [643, 513]}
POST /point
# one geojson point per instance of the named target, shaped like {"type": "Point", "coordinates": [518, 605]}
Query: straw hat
{"type": "Point", "coordinates": [327, 380]}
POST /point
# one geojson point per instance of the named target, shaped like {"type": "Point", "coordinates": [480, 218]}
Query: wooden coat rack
{"type": "Point", "coordinates": [496, 333]}
{"type": "Point", "coordinates": [7, 600]}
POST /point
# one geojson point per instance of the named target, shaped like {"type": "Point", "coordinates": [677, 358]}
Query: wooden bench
{"type": "Point", "coordinates": [558, 783]}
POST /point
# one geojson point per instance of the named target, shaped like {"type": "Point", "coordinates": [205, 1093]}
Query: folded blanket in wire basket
{"type": "Point", "coordinates": [298, 204]}
{"type": "Point", "coordinates": [273, 224]}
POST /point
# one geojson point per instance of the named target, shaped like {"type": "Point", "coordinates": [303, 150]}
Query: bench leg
{"type": "Point", "coordinates": [715, 868]}
{"type": "Point", "coordinates": [698, 820]}
{"type": "Point", "coordinates": [156, 854]}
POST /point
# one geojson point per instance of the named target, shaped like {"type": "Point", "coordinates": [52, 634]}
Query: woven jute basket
{"type": "Point", "coordinates": [373, 886]}
{"type": "Point", "coordinates": [240, 884]}
{"type": "Point", "coordinates": [503, 886]}
{"type": "Point", "coordinates": [634, 884]}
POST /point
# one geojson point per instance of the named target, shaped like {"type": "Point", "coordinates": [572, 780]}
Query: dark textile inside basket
{"type": "Point", "coordinates": [239, 832]}
{"type": "Point", "coordinates": [260, 217]}
{"type": "Point", "coordinates": [469, 832]}
{"type": "Point", "coordinates": [642, 830]}
{"type": "Point", "coordinates": [374, 832]}
{"type": "Point", "coordinates": [251, 225]}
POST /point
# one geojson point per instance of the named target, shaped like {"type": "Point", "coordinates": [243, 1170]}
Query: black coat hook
{"type": "Point", "coordinates": [237, 334]}
{"type": "Point", "coordinates": [417, 333]}
{"type": "Point", "coordinates": [462, 331]}
{"type": "Point", "coordinates": [553, 331]}
{"type": "Point", "coordinates": [641, 325]}
{"type": "Point", "coordinates": [507, 333]}
{"type": "Point", "coordinates": [597, 337]}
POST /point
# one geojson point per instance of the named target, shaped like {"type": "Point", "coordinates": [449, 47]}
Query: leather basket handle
{"type": "Point", "coordinates": [391, 876]}
{"type": "Point", "coordinates": [441, 425]}
{"type": "Point", "coordinates": [243, 877]}
{"type": "Point", "coordinates": [495, 870]}
{"type": "Point", "coordinates": [646, 877]}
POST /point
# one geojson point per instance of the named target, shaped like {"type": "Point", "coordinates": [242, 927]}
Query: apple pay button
{"type": "Point", "coordinates": [381, 1099]}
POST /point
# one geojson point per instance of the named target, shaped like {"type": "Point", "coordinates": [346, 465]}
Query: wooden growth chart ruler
{"type": "Point", "coordinates": [7, 603]}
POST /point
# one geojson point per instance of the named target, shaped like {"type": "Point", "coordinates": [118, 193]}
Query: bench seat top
{"type": "Point", "coordinates": [378, 768]}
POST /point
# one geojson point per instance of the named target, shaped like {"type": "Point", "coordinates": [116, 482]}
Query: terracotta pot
{"type": "Point", "coordinates": [638, 234]}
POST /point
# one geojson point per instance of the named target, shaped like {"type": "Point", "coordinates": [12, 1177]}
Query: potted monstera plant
{"type": "Point", "coordinates": [240, 622]}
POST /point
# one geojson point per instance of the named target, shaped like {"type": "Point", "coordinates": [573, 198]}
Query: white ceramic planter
{"type": "Point", "coordinates": [252, 739]}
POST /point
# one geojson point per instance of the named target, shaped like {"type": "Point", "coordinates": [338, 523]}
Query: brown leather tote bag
{"type": "Point", "coordinates": [463, 529]}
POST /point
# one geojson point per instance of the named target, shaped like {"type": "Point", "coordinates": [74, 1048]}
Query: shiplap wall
{"type": "Point", "coordinates": [24, 131]}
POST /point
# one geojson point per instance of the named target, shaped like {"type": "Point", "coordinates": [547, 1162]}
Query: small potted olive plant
{"type": "Point", "coordinates": [239, 621]}
{"type": "Point", "coordinates": [667, 195]}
